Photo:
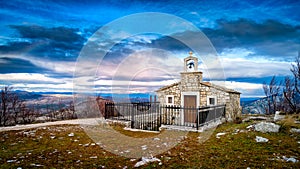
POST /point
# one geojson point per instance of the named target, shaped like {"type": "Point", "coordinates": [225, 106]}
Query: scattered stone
{"type": "Point", "coordinates": [11, 161]}
{"type": "Point", "coordinates": [156, 139]}
{"type": "Point", "coordinates": [251, 127]}
{"type": "Point", "coordinates": [36, 165]}
{"type": "Point", "coordinates": [255, 118]}
{"type": "Point", "coordinates": [144, 147]}
{"type": "Point", "coordinates": [291, 159]}
{"type": "Point", "coordinates": [168, 158]}
{"type": "Point", "coordinates": [94, 157]}
{"type": "Point", "coordinates": [266, 127]}
{"type": "Point", "coordinates": [52, 137]}
{"type": "Point", "coordinates": [278, 117]}
{"type": "Point", "coordinates": [146, 160]}
{"type": "Point", "coordinates": [261, 139]}
{"type": "Point", "coordinates": [219, 134]}
{"type": "Point", "coordinates": [71, 135]}
{"type": "Point", "coordinates": [236, 131]}
{"type": "Point", "coordinates": [294, 130]}
{"type": "Point", "coordinates": [132, 160]}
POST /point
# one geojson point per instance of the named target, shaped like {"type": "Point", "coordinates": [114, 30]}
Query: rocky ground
{"type": "Point", "coordinates": [254, 143]}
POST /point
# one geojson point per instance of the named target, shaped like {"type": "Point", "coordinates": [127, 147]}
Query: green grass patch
{"type": "Point", "coordinates": [51, 147]}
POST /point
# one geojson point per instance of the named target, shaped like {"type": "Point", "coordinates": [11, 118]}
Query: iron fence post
{"type": "Point", "coordinates": [132, 117]}
{"type": "Point", "coordinates": [197, 117]}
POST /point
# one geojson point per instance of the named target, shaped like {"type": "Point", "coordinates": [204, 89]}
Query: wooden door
{"type": "Point", "coordinates": [190, 108]}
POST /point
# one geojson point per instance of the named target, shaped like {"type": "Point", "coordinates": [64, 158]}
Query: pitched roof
{"type": "Point", "coordinates": [203, 83]}
{"type": "Point", "coordinates": [168, 86]}
{"type": "Point", "coordinates": [220, 87]}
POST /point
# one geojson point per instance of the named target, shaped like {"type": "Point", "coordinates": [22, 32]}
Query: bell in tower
{"type": "Point", "coordinates": [191, 63]}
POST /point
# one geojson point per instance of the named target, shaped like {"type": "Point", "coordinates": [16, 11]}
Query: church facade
{"type": "Point", "coordinates": [192, 91]}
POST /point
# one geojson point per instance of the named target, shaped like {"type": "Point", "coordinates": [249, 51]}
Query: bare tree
{"type": "Point", "coordinates": [72, 110]}
{"type": "Point", "coordinates": [296, 72]}
{"type": "Point", "coordinates": [11, 106]}
{"type": "Point", "coordinates": [271, 91]}
{"type": "Point", "coordinates": [290, 95]}
{"type": "Point", "coordinates": [4, 105]}
{"type": "Point", "coordinates": [16, 108]}
{"type": "Point", "coordinates": [27, 114]}
{"type": "Point", "coordinates": [291, 89]}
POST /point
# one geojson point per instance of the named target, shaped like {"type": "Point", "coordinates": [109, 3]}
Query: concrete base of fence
{"type": "Point", "coordinates": [206, 126]}
{"type": "Point", "coordinates": [125, 123]}
{"type": "Point", "coordinates": [140, 130]}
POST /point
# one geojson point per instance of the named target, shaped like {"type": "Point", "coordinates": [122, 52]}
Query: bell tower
{"type": "Point", "coordinates": [190, 63]}
{"type": "Point", "coordinates": [191, 78]}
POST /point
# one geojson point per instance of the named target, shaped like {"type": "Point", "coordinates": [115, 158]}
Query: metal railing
{"type": "Point", "coordinates": [151, 115]}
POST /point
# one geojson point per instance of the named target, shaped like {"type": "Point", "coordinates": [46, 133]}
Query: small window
{"type": "Point", "coordinates": [169, 99]}
{"type": "Point", "coordinates": [211, 100]}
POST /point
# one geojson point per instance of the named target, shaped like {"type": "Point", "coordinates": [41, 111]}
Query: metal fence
{"type": "Point", "coordinates": [191, 116]}
{"type": "Point", "coordinates": [151, 115]}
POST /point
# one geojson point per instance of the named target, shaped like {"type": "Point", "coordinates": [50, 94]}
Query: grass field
{"type": "Point", "coordinates": [68, 146]}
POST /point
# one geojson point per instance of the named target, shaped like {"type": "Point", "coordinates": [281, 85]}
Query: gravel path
{"type": "Point", "coordinates": [88, 121]}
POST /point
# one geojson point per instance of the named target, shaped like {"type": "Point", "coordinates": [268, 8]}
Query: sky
{"type": "Point", "coordinates": [115, 47]}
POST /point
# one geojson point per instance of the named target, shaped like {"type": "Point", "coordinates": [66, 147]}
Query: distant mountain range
{"type": "Point", "coordinates": [24, 95]}
{"type": "Point", "coordinates": [250, 105]}
{"type": "Point", "coordinates": [254, 105]}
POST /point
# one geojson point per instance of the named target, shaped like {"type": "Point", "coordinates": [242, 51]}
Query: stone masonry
{"type": "Point", "coordinates": [191, 81]}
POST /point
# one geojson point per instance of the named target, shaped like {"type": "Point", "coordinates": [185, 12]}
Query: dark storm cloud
{"type": "Point", "coordinates": [127, 47]}
{"type": "Point", "coordinates": [15, 65]}
{"type": "Point", "coordinates": [14, 47]}
{"type": "Point", "coordinates": [267, 38]}
{"type": "Point", "coordinates": [168, 43]}
{"type": "Point", "coordinates": [60, 43]}
{"type": "Point", "coordinates": [61, 34]}
{"type": "Point", "coordinates": [270, 38]}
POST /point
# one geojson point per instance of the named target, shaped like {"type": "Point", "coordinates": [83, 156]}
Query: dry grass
{"type": "Point", "coordinates": [51, 147]}
{"type": "Point", "coordinates": [135, 134]}
{"type": "Point", "coordinates": [289, 121]}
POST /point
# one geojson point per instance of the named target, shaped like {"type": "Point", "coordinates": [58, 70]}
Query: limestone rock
{"type": "Point", "coordinates": [267, 127]}
{"type": "Point", "coordinates": [294, 130]}
{"type": "Point", "coordinates": [261, 139]}
{"type": "Point", "coordinates": [146, 160]}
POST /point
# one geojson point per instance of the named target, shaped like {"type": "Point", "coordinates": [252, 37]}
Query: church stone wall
{"type": "Point", "coordinates": [190, 81]}
{"type": "Point", "coordinates": [172, 90]}
{"type": "Point", "coordinates": [233, 108]}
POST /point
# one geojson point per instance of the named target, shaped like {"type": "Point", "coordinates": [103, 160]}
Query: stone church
{"type": "Point", "coordinates": [192, 91]}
